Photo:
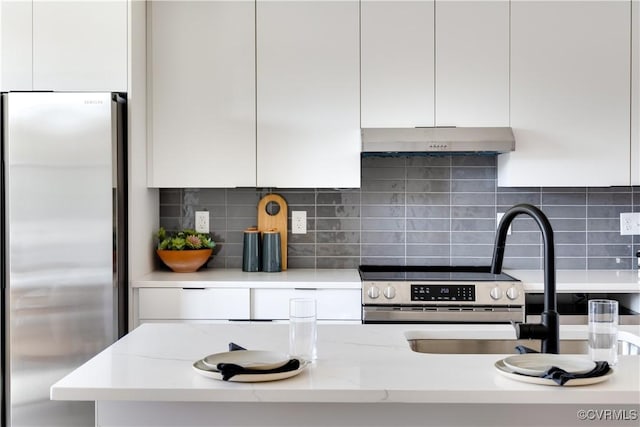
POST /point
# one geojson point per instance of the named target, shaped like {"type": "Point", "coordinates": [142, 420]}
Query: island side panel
{"type": "Point", "coordinates": [201, 414]}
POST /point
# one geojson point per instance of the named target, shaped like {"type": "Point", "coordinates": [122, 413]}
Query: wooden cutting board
{"type": "Point", "coordinates": [266, 221]}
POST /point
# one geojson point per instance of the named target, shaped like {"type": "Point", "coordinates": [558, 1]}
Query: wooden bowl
{"type": "Point", "coordinates": [186, 261]}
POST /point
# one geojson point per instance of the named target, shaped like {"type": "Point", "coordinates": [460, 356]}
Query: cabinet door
{"type": "Point", "coordinates": [331, 304]}
{"type": "Point", "coordinates": [201, 74]}
{"type": "Point", "coordinates": [570, 87]}
{"type": "Point", "coordinates": [397, 63]}
{"type": "Point", "coordinates": [472, 63]}
{"type": "Point", "coordinates": [80, 45]}
{"type": "Point", "coordinates": [308, 99]}
{"type": "Point", "coordinates": [15, 45]}
{"type": "Point", "coordinates": [193, 304]}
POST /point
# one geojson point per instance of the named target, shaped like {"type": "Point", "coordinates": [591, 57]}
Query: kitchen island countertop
{"type": "Point", "coordinates": [364, 375]}
{"type": "Point", "coordinates": [357, 363]}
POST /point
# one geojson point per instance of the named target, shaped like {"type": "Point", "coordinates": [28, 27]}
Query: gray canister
{"type": "Point", "coordinates": [251, 250]}
{"type": "Point", "coordinates": [271, 254]}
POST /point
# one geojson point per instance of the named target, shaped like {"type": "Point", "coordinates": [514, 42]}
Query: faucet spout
{"type": "Point", "coordinates": [548, 330]}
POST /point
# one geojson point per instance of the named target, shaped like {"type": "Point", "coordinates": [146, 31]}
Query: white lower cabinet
{"type": "Point", "coordinates": [224, 304]}
{"type": "Point", "coordinates": [332, 304]}
{"type": "Point", "coordinates": [193, 304]}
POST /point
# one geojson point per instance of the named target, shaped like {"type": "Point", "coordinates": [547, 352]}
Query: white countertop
{"type": "Point", "coordinates": [622, 281]}
{"type": "Point", "coordinates": [356, 364]}
{"type": "Point", "coordinates": [230, 278]}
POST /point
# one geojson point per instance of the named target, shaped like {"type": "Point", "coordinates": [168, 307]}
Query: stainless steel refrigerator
{"type": "Point", "coordinates": [63, 246]}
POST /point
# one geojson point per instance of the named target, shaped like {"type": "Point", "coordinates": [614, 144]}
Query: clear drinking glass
{"type": "Point", "coordinates": [603, 330]}
{"type": "Point", "coordinates": [302, 328]}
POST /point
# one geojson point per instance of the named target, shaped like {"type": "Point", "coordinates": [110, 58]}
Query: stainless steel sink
{"type": "Point", "coordinates": [627, 345]}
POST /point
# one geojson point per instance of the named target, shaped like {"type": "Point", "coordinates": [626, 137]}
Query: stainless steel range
{"type": "Point", "coordinates": [440, 294]}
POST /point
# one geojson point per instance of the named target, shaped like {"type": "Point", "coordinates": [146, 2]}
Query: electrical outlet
{"type": "Point", "coordinates": [499, 216]}
{"type": "Point", "coordinates": [202, 221]}
{"type": "Point", "coordinates": [298, 222]}
{"type": "Point", "coordinates": [629, 223]}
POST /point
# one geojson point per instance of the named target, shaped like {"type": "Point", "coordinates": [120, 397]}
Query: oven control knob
{"type": "Point", "coordinates": [373, 292]}
{"type": "Point", "coordinates": [496, 293]}
{"type": "Point", "coordinates": [513, 293]}
{"type": "Point", "coordinates": [390, 292]}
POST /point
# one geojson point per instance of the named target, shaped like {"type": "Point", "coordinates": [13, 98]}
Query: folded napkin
{"type": "Point", "coordinates": [524, 350]}
{"type": "Point", "coordinates": [235, 347]}
{"type": "Point", "coordinates": [560, 376]}
{"type": "Point", "coordinates": [229, 370]}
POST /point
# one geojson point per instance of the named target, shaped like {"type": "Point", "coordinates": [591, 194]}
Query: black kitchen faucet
{"type": "Point", "coordinates": [548, 330]}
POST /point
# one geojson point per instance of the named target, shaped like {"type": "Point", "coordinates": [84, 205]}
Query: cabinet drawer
{"type": "Point", "coordinates": [332, 304]}
{"type": "Point", "coordinates": [183, 303]}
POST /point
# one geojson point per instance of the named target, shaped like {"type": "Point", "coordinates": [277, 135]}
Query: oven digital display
{"type": "Point", "coordinates": [443, 292]}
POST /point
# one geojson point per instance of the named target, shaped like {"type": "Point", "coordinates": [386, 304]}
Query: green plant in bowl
{"type": "Point", "coordinates": [185, 251]}
{"type": "Point", "coordinates": [186, 239]}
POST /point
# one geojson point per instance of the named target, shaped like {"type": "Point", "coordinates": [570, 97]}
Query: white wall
{"type": "Point", "coordinates": [143, 201]}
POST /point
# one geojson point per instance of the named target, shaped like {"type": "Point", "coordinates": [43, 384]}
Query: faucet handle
{"type": "Point", "coordinates": [531, 331]}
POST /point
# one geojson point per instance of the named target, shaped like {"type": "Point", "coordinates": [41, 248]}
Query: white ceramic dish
{"type": "Point", "coordinates": [505, 371]}
{"type": "Point", "coordinates": [201, 368]}
{"type": "Point", "coordinates": [250, 359]}
{"type": "Point", "coordinates": [536, 364]}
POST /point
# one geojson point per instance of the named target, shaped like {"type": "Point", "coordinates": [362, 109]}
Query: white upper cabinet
{"type": "Point", "coordinates": [570, 94]}
{"type": "Point", "coordinates": [435, 64]}
{"type": "Point", "coordinates": [472, 63]}
{"type": "Point", "coordinates": [80, 45]}
{"type": "Point", "coordinates": [308, 93]}
{"type": "Point", "coordinates": [15, 45]}
{"type": "Point", "coordinates": [201, 80]}
{"type": "Point", "coordinates": [397, 74]}
{"type": "Point", "coordinates": [63, 45]}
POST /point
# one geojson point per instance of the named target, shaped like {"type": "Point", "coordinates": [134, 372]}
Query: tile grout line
{"type": "Point", "coordinates": [315, 228]}
{"type": "Point", "coordinates": [405, 184]}
{"type": "Point", "coordinates": [586, 230]}
{"type": "Point", "coordinates": [450, 209]}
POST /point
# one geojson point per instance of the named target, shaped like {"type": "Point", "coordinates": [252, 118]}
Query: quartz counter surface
{"type": "Point", "coordinates": [621, 281]}
{"type": "Point", "coordinates": [236, 278]}
{"type": "Point", "coordinates": [614, 281]}
{"type": "Point", "coordinates": [356, 363]}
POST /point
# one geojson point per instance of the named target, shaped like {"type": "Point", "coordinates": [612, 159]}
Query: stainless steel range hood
{"type": "Point", "coordinates": [488, 140]}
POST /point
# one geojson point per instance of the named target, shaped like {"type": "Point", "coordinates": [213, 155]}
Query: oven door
{"type": "Point", "coordinates": [441, 314]}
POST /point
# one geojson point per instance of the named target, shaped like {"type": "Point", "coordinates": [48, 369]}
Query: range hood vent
{"type": "Point", "coordinates": [433, 140]}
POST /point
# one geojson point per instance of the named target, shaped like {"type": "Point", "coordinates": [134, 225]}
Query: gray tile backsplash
{"type": "Point", "coordinates": [421, 211]}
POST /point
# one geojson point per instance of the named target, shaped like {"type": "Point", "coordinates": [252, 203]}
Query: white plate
{"type": "Point", "coordinates": [536, 364]}
{"type": "Point", "coordinates": [208, 372]}
{"type": "Point", "coordinates": [250, 359]}
{"type": "Point", "coordinates": [505, 371]}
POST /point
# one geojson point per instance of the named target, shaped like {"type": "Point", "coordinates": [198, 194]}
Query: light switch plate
{"type": "Point", "coordinates": [629, 223]}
